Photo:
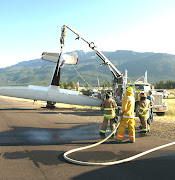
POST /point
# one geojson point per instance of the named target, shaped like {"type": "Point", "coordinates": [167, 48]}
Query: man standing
{"type": "Point", "coordinates": [152, 99]}
{"type": "Point", "coordinates": [109, 106]}
{"type": "Point", "coordinates": [128, 118]}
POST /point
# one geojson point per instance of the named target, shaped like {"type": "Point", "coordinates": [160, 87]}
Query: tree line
{"type": "Point", "coordinates": [72, 85]}
{"type": "Point", "coordinates": [158, 85]}
{"type": "Point", "coordinates": [165, 85]}
{"type": "Point", "coordinates": [65, 85]}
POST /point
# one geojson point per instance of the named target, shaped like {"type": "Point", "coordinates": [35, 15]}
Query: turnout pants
{"type": "Point", "coordinates": [145, 125]}
{"type": "Point", "coordinates": [131, 130]}
{"type": "Point", "coordinates": [105, 124]}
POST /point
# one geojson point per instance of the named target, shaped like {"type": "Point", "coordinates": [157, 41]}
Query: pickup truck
{"type": "Point", "coordinates": [165, 93]}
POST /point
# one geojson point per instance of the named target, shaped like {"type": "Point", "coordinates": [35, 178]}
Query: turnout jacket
{"type": "Point", "coordinates": [109, 106]}
{"type": "Point", "coordinates": [143, 108]}
{"type": "Point", "coordinates": [128, 105]}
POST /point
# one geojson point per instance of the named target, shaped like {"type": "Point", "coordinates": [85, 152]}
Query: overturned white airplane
{"type": "Point", "coordinates": [54, 94]}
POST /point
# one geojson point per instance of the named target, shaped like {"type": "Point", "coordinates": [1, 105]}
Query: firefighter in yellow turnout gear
{"type": "Point", "coordinates": [143, 110]}
{"type": "Point", "coordinates": [109, 106]}
{"type": "Point", "coordinates": [128, 118]}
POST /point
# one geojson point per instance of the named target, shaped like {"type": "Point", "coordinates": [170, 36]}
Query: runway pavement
{"type": "Point", "coordinates": [33, 140]}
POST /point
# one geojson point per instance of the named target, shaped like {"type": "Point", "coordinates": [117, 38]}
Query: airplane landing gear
{"type": "Point", "coordinates": [50, 105]}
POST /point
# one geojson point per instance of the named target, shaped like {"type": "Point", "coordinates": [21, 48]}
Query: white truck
{"type": "Point", "coordinates": [164, 92]}
{"type": "Point", "coordinates": [160, 106]}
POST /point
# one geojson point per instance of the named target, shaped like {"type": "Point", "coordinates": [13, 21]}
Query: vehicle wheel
{"type": "Point", "coordinates": [160, 113]}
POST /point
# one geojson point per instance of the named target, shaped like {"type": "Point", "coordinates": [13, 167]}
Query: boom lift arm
{"type": "Point", "coordinates": [118, 76]}
{"type": "Point", "coordinates": [113, 69]}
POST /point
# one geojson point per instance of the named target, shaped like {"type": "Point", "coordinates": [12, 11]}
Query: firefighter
{"type": "Point", "coordinates": [109, 106]}
{"type": "Point", "coordinates": [127, 111]}
{"type": "Point", "coordinates": [143, 111]}
{"type": "Point", "coordinates": [152, 99]}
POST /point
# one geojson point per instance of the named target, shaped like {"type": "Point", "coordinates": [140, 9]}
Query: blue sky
{"type": "Point", "coordinates": [30, 27]}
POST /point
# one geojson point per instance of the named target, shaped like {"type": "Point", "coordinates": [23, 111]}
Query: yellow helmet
{"type": "Point", "coordinates": [129, 89]}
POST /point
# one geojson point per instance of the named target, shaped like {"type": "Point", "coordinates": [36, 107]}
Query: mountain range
{"type": "Point", "coordinates": [160, 66]}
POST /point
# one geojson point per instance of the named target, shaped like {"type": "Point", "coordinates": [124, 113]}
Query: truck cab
{"type": "Point", "coordinates": [160, 107]}
{"type": "Point", "coordinates": [165, 93]}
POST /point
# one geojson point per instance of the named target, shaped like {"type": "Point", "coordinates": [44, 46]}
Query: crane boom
{"type": "Point", "coordinates": [118, 76]}
{"type": "Point", "coordinates": [106, 61]}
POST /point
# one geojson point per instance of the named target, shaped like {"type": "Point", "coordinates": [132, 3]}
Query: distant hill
{"type": "Point", "coordinates": [159, 66]}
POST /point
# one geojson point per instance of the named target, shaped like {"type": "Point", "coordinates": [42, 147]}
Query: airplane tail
{"type": "Point", "coordinates": [61, 60]}
{"type": "Point", "coordinates": [64, 59]}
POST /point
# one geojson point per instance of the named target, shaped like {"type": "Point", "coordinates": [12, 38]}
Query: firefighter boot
{"type": "Point", "coordinates": [119, 141]}
{"type": "Point", "coordinates": [102, 134]}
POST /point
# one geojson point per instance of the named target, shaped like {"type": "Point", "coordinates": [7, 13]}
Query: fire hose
{"type": "Point", "coordinates": [65, 155]}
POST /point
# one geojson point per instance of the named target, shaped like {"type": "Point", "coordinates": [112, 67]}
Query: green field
{"type": "Point", "coordinates": [171, 103]}
{"type": "Point", "coordinates": [170, 114]}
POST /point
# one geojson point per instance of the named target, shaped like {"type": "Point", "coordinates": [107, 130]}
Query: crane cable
{"type": "Point", "coordinates": [62, 44]}
{"type": "Point", "coordinates": [65, 155]}
{"type": "Point", "coordinates": [81, 77]}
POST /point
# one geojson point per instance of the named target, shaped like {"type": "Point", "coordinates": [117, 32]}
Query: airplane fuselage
{"type": "Point", "coordinates": [51, 93]}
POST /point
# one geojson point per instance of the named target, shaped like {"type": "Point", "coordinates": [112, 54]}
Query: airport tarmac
{"type": "Point", "coordinates": [33, 140]}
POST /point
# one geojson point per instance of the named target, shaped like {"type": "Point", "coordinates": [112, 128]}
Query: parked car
{"type": "Point", "coordinates": [92, 92]}
{"type": "Point", "coordinates": [165, 93]}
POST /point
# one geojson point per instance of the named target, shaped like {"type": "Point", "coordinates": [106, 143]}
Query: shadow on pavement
{"type": "Point", "coordinates": [18, 109]}
{"type": "Point", "coordinates": [153, 168]}
{"type": "Point", "coordinates": [70, 111]}
{"type": "Point", "coordinates": [75, 112]}
{"type": "Point", "coordinates": [44, 157]}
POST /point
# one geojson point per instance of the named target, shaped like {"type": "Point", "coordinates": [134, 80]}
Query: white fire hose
{"type": "Point", "coordinates": [109, 163]}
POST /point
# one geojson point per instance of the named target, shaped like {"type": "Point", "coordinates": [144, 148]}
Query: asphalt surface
{"type": "Point", "coordinates": [33, 140]}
